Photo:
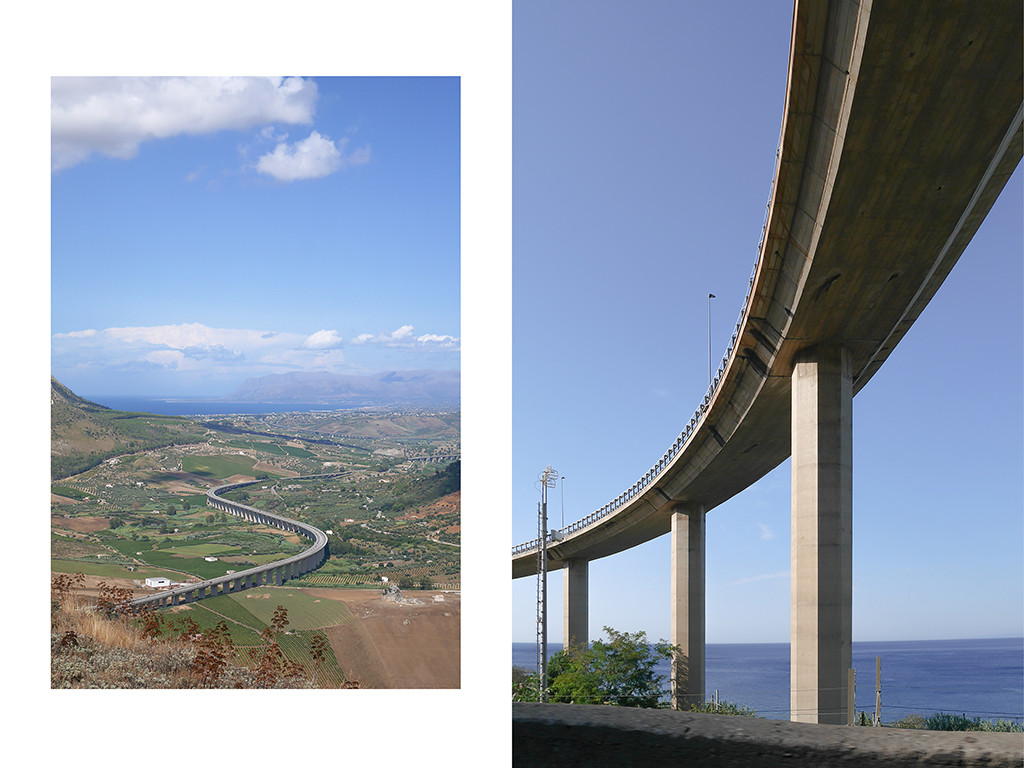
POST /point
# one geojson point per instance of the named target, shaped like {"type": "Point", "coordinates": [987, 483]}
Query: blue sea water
{"type": "Point", "coordinates": [175, 406]}
{"type": "Point", "coordinates": [978, 678]}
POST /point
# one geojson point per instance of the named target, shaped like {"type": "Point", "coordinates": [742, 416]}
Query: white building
{"type": "Point", "coordinates": [156, 582]}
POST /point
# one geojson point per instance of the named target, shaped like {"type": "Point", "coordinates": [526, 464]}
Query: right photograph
{"type": "Point", "coordinates": [768, 431]}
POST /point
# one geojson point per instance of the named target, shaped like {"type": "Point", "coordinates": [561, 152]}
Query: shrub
{"type": "Point", "coordinates": [722, 708]}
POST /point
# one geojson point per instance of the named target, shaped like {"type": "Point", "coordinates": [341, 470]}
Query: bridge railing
{"type": "Point", "coordinates": [698, 415]}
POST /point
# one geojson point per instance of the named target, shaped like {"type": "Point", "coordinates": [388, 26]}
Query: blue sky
{"type": "Point", "coordinates": [205, 230]}
{"type": "Point", "coordinates": [330, 219]}
{"type": "Point", "coordinates": [644, 150]}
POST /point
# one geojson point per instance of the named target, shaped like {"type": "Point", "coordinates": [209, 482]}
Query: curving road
{"type": "Point", "coordinates": [271, 573]}
{"type": "Point", "coordinates": [902, 124]}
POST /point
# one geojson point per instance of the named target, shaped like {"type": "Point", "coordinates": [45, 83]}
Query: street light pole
{"type": "Point", "coordinates": [563, 502]}
{"type": "Point", "coordinates": [710, 297]}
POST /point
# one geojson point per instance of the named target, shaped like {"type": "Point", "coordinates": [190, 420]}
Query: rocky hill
{"type": "Point", "coordinates": [83, 433]}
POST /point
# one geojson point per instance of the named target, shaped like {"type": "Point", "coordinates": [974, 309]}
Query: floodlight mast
{"type": "Point", "coordinates": [547, 479]}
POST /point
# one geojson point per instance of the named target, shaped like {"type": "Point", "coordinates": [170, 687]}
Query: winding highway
{"type": "Point", "coordinates": [275, 573]}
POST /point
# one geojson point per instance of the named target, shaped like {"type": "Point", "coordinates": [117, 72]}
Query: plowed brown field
{"type": "Point", "coordinates": [391, 645]}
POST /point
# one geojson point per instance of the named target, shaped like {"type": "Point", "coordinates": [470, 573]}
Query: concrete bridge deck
{"type": "Point", "coordinates": [276, 572]}
{"type": "Point", "coordinates": [902, 124]}
{"type": "Point", "coordinates": [901, 128]}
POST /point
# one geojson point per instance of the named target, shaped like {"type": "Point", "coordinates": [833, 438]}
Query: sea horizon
{"type": "Point", "coordinates": [181, 405]}
{"type": "Point", "coordinates": [977, 677]}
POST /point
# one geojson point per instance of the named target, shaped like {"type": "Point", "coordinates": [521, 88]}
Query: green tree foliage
{"type": "Point", "coordinates": [943, 721]}
{"type": "Point", "coordinates": [619, 671]}
{"type": "Point", "coordinates": [722, 708]}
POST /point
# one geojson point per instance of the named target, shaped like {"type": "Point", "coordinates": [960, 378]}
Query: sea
{"type": "Point", "coordinates": [177, 406]}
{"type": "Point", "coordinates": [978, 678]}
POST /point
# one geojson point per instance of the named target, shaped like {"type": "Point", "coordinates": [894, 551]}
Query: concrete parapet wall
{"type": "Point", "coordinates": [566, 735]}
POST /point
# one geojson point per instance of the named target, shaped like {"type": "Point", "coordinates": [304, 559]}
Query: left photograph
{"type": "Point", "coordinates": [255, 382]}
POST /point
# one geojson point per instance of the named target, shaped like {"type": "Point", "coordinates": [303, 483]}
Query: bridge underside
{"type": "Point", "coordinates": [902, 125]}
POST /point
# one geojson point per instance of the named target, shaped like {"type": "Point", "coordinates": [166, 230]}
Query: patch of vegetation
{"type": "Point", "coordinates": [619, 672]}
{"type": "Point", "coordinates": [108, 647]}
{"type": "Point", "coordinates": [943, 721]}
{"type": "Point", "coordinates": [218, 466]}
{"type": "Point", "coordinates": [68, 492]}
{"type": "Point", "coordinates": [83, 434]}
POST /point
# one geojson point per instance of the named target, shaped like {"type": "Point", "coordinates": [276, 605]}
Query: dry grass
{"type": "Point", "coordinates": [90, 647]}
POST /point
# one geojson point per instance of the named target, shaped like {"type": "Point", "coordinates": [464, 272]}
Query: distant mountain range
{"type": "Point", "coordinates": [389, 388]}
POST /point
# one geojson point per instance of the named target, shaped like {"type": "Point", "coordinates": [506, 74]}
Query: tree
{"type": "Point", "coordinates": [620, 672]}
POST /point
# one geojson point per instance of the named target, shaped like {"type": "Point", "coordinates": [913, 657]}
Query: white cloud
{"type": "Point", "coordinates": [114, 115]}
{"type": "Point", "coordinates": [167, 358]}
{"type": "Point", "coordinates": [433, 338]}
{"type": "Point", "coordinates": [766, 532]}
{"type": "Point", "coordinates": [403, 337]}
{"type": "Point", "coordinates": [323, 340]}
{"type": "Point", "coordinates": [194, 335]}
{"type": "Point", "coordinates": [232, 354]}
{"type": "Point", "coordinates": [310, 158]}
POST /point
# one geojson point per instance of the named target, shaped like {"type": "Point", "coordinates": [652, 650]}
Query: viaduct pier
{"type": "Point", "coordinates": [902, 124]}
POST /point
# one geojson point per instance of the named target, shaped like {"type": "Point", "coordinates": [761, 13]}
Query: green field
{"type": "Point", "coordinates": [204, 550]}
{"type": "Point", "coordinates": [277, 449]}
{"type": "Point", "coordinates": [304, 610]}
{"type": "Point", "coordinates": [68, 492]}
{"type": "Point", "coordinates": [195, 565]}
{"type": "Point", "coordinates": [218, 467]}
{"type": "Point", "coordinates": [247, 617]}
{"type": "Point", "coordinates": [109, 571]}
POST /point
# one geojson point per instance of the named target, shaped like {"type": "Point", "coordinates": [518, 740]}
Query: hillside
{"type": "Point", "coordinates": [83, 433]}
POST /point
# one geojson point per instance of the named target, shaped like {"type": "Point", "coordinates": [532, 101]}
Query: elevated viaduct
{"type": "Point", "coordinates": [902, 124]}
{"type": "Point", "coordinates": [275, 573]}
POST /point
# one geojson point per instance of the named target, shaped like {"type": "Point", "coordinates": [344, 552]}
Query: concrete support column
{"type": "Point", "coordinates": [688, 622]}
{"type": "Point", "coordinates": [575, 603]}
{"type": "Point", "coordinates": [821, 609]}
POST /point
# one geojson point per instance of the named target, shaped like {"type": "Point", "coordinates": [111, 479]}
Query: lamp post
{"type": "Point", "coordinates": [563, 503]}
{"type": "Point", "coordinates": [710, 297]}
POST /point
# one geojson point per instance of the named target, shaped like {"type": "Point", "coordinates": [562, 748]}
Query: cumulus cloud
{"type": "Point", "coordinates": [433, 338]}
{"type": "Point", "coordinates": [310, 158]}
{"type": "Point", "coordinates": [323, 340]}
{"type": "Point", "coordinates": [232, 354]}
{"type": "Point", "coordinates": [166, 358]}
{"type": "Point", "coordinates": [189, 335]}
{"type": "Point", "coordinates": [403, 337]}
{"type": "Point", "coordinates": [112, 116]}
